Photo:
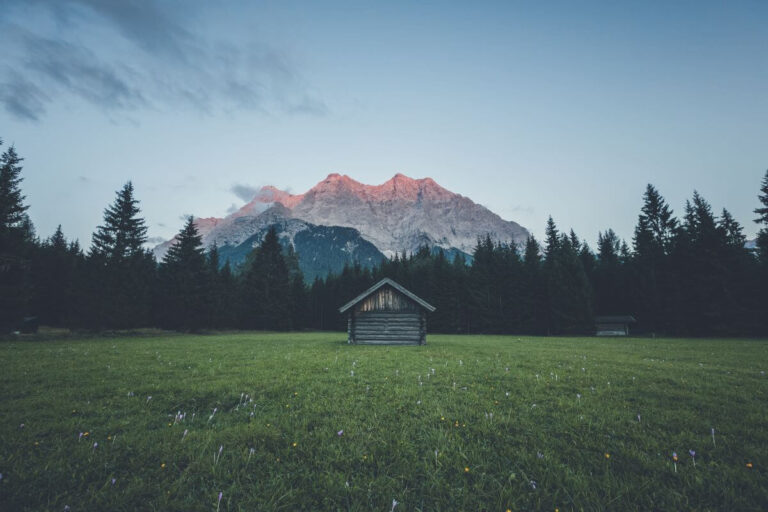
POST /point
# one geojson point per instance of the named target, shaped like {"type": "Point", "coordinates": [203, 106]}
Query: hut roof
{"type": "Point", "coordinates": [621, 319]}
{"type": "Point", "coordinates": [421, 302]}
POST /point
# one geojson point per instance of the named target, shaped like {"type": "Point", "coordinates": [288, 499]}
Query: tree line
{"type": "Point", "coordinates": [689, 276]}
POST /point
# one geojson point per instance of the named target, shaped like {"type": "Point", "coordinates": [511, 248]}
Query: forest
{"type": "Point", "coordinates": [687, 276]}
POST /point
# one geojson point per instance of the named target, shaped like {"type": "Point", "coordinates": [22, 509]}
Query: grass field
{"type": "Point", "coordinates": [302, 421]}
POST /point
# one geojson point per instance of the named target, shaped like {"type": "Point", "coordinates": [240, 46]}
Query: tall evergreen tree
{"type": "Point", "coordinates": [266, 286]}
{"type": "Point", "coordinates": [121, 272]}
{"type": "Point", "coordinates": [185, 282]}
{"type": "Point", "coordinates": [655, 286]}
{"type": "Point", "coordinates": [16, 243]}
{"type": "Point", "coordinates": [762, 219]}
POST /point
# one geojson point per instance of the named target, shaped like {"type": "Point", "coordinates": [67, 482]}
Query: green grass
{"type": "Point", "coordinates": [413, 419]}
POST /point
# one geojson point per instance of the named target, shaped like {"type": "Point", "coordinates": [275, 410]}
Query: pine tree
{"type": "Point", "coordinates": [266, 286]}
{"type": "Point", "coordinates": [762, 212]}
{"type": "Point", "coordinates": [12, 207]}
{"type": "Point", "coordinates": [123, 232]}
{"type": "Point", "coordinates": [17, 242]}
{"type": "Point", "coordinates": [655, 285]}
{"type": "Point", "coordinates": [121, 273]}
{"type": "Point", "coordinates": [184, 282]}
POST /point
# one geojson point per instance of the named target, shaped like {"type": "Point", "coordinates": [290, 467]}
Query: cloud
{"type": "Point", "coordinates": [22, 98]}
{"type": "Point", "coordinates": [124, 56]}
{"type": "Point", "coordinates": [154, 240]}
{"type": "Point", "coordinates": [232, 208]}
{"type": "Point", "coordinates": [244, 192]}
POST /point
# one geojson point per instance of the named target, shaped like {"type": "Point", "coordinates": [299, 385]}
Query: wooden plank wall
{"type": "Point", "coordinates": [387, 318]}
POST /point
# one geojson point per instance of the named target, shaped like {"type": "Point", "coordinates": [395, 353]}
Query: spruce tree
{"type": "Point", "coordinates": [654, 284]}
{"type": "Point", "coordinates": [185, 282]}
{"type": "Point", "coordinates": [16, 243]}
{"type": "Point", "coordinates": [762, 219]}
{"type": "Point", "coordinates": [266, 286]}
{"type": "Point", "coordinates": [121, 272]}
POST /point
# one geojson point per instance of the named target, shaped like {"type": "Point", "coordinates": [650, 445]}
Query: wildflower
{"type": "Point", "coordinates": [80, 437]}
{"type": "Point", "coordinates": [674, 460]}
{"type": "Point", "coordinates": [221, 493]}
{"type": "Point", "coordinates": [749, 465]}
{"type": "Point", "coordinates": [693, 456]}
{"type": "Point", "coordinates": [162, 466]}
{"type": "Point", "coordinates": [109, 438]}
{"type": "Point", "coordinates": [638, 418]}
{"type": "Point", "coordinates": [532, 483]}
{"type": "Point", "coordinates": [578, 397]}
{"type": "Point", "coordinates": [340, 433]}
{"type": "Point", "coordinates": [213, 413]}
{"type": "Point", "coordinates": [539, 455]}
{"type": "Point", "coordinates": [86, 434]}
{"type": "Point", "coordinates": [394, 504]}
{"type": "Point", "coordinates": [149, 398]}
{"type": "Point", "coordinates": [295, 444]}
{"type": "Point", "coordinates": [21, 426]}
{"type": "Point", "coordinates": [217, 457]}
{"type": "Point", "coordinates": [251, 452]}
{"type": "Point", "coordinates": [95, 445]}
{"type": "Point", "coordinates": [186, 431]}
{"type": "Point", "coordinates": [114, 480]}
{"type": "Point", "coordinates": [713, 436]}
{"type": "Point", "coordinates": [466, 469]}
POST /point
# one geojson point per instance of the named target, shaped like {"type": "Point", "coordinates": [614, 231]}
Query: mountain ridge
{"type": "Point", "coordinates": [399, 215]}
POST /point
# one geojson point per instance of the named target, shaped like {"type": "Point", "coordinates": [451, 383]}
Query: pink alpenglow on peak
{"type": "Point", "coordinates": [401, 214]}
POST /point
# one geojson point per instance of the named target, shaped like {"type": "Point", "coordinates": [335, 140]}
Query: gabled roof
{"type": "Point", "coordinates": [421, 302]}
{"type": "Point", "coordinates": [622, 319]}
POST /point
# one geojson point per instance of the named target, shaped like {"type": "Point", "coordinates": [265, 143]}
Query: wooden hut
{"type": "Point", "coordinates": [613, 325]}
{"type": "Point", "coordinates": [387, 314]}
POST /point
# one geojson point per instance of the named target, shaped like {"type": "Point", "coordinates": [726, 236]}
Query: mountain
{"type": "Point", "coordinates": [399, 215]}
{"type": "Point", "coordinates": [321, 249]}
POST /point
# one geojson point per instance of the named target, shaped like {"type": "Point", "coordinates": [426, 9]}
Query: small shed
{"type": "Point", "coordinates": [613, 325]}
{"type": "Point", "coordinates": [387, 314]}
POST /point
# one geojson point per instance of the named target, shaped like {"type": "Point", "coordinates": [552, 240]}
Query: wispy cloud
{"type": "Point", "coordinates": [244, 192]}
{"type": "Point", "coordinates": [124, 56]}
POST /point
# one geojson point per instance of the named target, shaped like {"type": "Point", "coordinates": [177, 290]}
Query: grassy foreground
{"type": "Point", "coordinates": [306, 422]}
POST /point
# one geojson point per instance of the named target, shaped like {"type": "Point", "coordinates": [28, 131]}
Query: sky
{"type": "Point", "coordinates": [532, 109]}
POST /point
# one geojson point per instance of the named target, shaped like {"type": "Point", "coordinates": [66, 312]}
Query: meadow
{"type": "Point", "coordinates": [303, 421]}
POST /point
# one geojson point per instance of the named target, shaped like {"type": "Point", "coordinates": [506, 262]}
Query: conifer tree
{"type": "Point", "coordinates": [16, 243]}
{"type": "Point", "coordinates": [762, 219]}
{"type": "Point", "coordinates": [121, 272]}
{"type": "Point", "coordinates": [655, 285]}
{"type": "Point", "coordinates": [266, 286]}
{"type": "Point", "coordinates": [185, 282]}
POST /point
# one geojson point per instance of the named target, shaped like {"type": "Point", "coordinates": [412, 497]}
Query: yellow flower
{"type": "Point", "coordinates": [109, 438]}
{"type": "Point", "coordinates": [607, 455]}
{"type": "Point", "coordinates": [37, 444]}
{"type": "Point", "coordinates": [169, 424]}
{"type": "Point", "coordinates": [749, 465]}
{"type": "Point", "coordinates": [162, 466]}
{"type": "Point", "coordinates": [86, 434]}
{"type": "Point", "coordinates": [442, 418]}
{"type": "Point", "coordinates": [466, 469]}
{"type": "Point", "coordinates": [295, 444]}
